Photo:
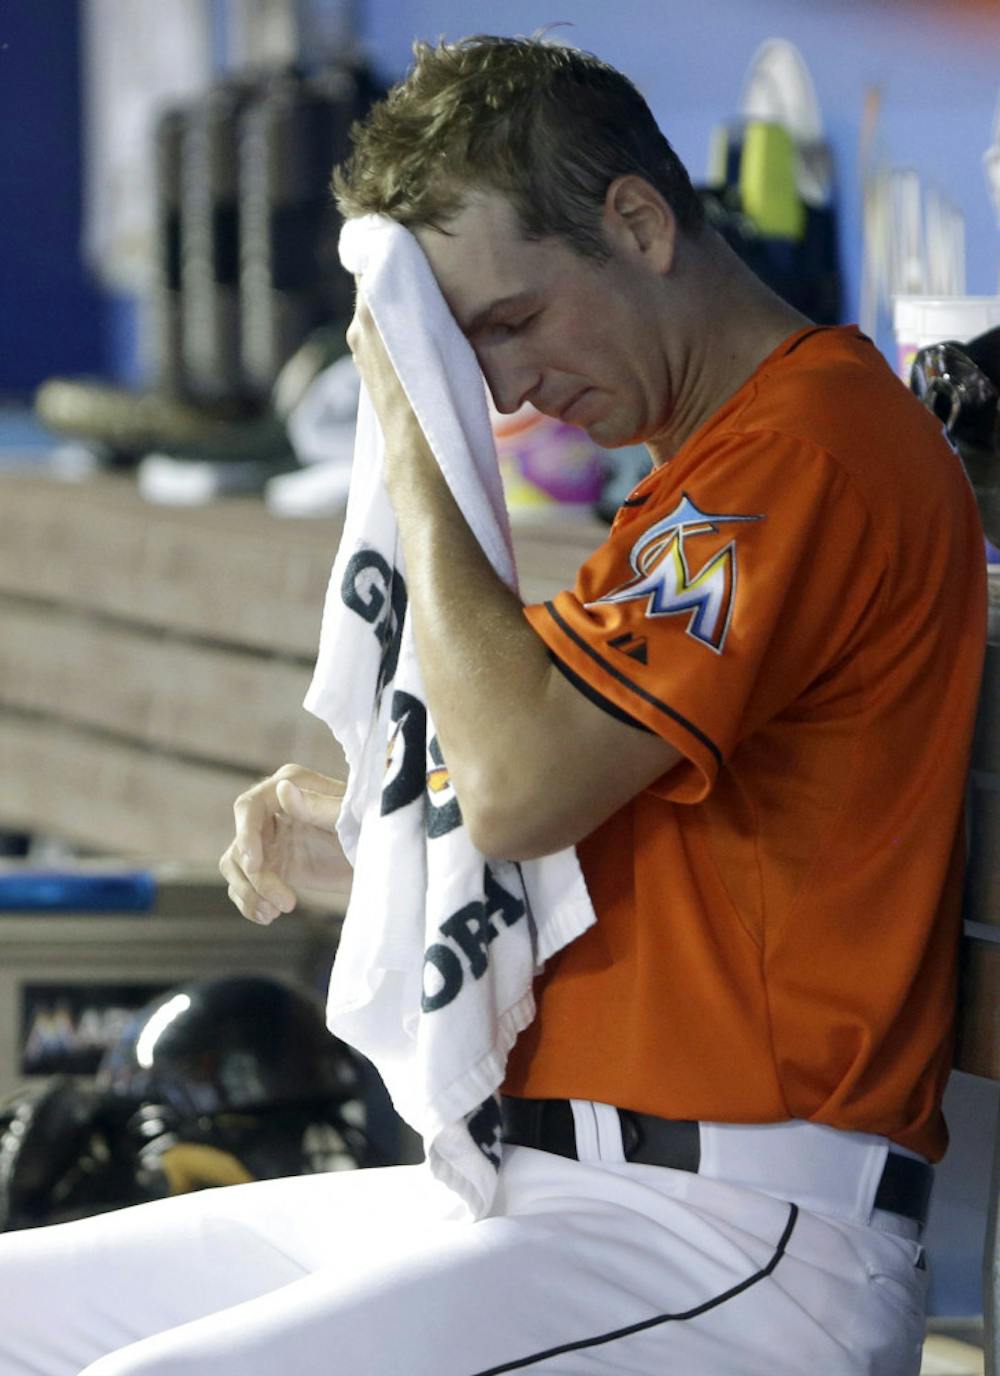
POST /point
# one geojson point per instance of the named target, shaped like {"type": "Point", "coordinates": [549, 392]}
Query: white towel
{"type": "Point", "coordinates": [433, 975]}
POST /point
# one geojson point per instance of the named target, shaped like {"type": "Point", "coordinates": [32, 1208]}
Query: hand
{"type": "Point", "coordinates": [403, 435]}
{"type": "Point", "coordinates": [285, 840]}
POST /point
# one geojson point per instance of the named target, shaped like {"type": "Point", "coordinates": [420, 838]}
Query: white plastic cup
{"type": "Point", "coordinates": [922, 320]}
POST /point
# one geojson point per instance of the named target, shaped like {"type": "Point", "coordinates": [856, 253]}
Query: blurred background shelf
{"type": "Point", "coordinates": [153, 660]}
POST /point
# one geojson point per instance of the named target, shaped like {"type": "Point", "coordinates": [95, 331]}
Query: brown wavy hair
{"type": "Point", "coordinates": [548, 126]}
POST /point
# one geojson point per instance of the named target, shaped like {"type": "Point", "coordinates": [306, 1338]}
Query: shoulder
{"type": "Point", "coordinates": [836, 394]}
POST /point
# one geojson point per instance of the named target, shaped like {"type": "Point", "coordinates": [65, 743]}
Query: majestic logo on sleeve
{"type": "Point", "coordinates": [662, 567]}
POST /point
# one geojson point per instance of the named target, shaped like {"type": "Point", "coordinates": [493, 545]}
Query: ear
{"type": "Point", "coordinates": [640, 223]}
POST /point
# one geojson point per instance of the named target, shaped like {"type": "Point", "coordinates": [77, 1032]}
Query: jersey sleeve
{"type": "Point", "coordinates": [714, 604]}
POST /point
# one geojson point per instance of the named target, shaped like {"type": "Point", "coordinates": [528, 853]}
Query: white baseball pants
{"type": "Point", "coordinates": [584, 1268]}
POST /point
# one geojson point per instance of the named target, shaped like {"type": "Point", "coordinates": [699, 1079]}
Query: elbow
{"type": "Point", "coordinates": [502, 843]}
{"type": "Point", "coordinates": [515, 805]}
{"type": "Point", "coordinates": [488, 826]}
{"type": "Point", "coordinates": [504, 826]}
{"type": "Point", "coordinates": [506, 842]}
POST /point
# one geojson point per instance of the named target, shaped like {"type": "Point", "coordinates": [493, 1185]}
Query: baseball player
{"type": "Point", "coordinates": [751, 714]}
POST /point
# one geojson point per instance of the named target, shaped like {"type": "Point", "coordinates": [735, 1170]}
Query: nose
{"type": "Point", "coordinates": [510, 386]}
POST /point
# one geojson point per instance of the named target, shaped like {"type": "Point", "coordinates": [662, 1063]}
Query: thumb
{"type": "Point", "coordinates": [305, 805]}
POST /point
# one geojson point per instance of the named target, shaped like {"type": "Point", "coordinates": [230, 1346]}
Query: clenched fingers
{"type": "Point", "coordinates": [261, 898]}
{"type": "Point", "coordinates": [304, 804]}
{"type": "Point", "coordinates": [292, 792]}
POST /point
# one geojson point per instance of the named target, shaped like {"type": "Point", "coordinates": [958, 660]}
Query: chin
{"type": "Point", "coordinates": [615, 428]}
{"type": "Point", "coordinates": [610, 436]}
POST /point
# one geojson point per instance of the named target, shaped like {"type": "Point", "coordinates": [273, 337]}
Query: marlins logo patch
{"type": "Point", "coordinates": [662, 564]}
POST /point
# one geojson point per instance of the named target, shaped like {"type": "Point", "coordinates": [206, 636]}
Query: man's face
{"type": "Point", "coordinates": [574, 337]}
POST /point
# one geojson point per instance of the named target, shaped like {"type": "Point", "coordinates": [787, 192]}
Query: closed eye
{"type": "Point", "coordinates": [497, 332]}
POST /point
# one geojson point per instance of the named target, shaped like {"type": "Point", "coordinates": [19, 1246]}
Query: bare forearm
{"type": "Point", "coordinates": [485, 671]}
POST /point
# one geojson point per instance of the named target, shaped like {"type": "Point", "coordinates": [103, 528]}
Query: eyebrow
{"type": "Point", "coordinates": [484, 316]}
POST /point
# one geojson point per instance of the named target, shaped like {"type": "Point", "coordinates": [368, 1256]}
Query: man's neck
{"type": "Point", "coordinates": [735, 324]}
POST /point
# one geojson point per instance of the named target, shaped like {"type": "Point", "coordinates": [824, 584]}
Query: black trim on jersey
{"type": "Point", "coordinates": [706, 741]}
{"type": "Point", "coordinates": [601, 1338]}
{"type": "Point", "coordinates": [636, 501]}
{"type": "Point", "coordinates": [588, 691]}
{"type": "Point", "coordinates": [817, 330]}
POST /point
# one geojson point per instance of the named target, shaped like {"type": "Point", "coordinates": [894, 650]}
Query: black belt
{"type": "Point", "coordinates": [547, 1125]}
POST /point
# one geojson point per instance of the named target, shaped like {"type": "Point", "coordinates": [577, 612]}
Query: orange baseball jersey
{"type": "Point", "coordinates": [797, 602]}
